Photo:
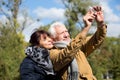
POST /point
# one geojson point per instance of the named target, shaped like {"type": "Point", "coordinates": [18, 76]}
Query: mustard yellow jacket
{"type": "Point", "coordinates": [79, 48]}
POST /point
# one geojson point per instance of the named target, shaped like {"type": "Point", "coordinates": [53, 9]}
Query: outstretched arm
{"type": "Point", "coordinates": [88, 20]}
{"type": "Point", "coordinates": [62, 57]}
{"type": "Point", "coordinates": [96, 40]}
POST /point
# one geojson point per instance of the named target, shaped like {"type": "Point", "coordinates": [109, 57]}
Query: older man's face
{"type": "Point", "coordinates": [62, 34]}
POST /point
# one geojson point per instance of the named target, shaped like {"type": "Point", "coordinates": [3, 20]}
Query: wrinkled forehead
{"type": "Point", "coordinates": [60, 29]}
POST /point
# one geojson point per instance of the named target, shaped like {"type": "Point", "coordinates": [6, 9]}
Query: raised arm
{"type": "Point", "coordinates": [88, 20]}
{"type": "Point", "coordinates": [61, 58]}
{"type": "Point", "coordinates": [96, 40]}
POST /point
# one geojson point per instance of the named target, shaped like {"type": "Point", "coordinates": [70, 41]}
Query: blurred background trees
{"type": "Point", "coordinates": [11, 53]}
{"type": "Point", "coordinates": [75, 9]}
{"type": "Point", "coordinates": [104, 61]}
{"type": "Point", "coordinates": [12, 42]}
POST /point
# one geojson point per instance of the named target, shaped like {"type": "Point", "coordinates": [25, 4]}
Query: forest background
{"type": "Point", "coordinates": [104, 61]}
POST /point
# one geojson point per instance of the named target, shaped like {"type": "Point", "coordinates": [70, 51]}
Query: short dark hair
{"type": "Point", "coordinates": [35, 37]}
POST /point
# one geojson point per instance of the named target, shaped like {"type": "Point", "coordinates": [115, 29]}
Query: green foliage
{"type": "Point", "coordinates": [11, 53]}
{"type": "Point", "coordinates": [74, 11]}
{"type": "Point", "coordinates": [46, 27]}
{"type": "Point", "coordinates": [11, 41]}
{"type": "Point", "coordinates": [106, 59]}
{"type": "Point", "coordinates": [12, 45]}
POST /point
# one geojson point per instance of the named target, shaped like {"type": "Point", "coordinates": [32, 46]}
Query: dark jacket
{"type": "Point", "coordinates": [29, 70]}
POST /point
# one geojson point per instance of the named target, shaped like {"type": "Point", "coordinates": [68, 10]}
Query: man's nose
{"type": "Point", "coordinates": [65, 35]}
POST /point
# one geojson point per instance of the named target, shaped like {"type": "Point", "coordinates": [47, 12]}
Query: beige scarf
{"type": "Point", "coordinates": [73, 67]}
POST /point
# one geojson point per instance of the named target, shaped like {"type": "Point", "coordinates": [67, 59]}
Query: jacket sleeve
{"type": "Point", "coordinates": [27, 71]}
{"type": "Point", "coordinates": [61, 57]}
{"type": "Point", "coordinates": [93, 42]}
